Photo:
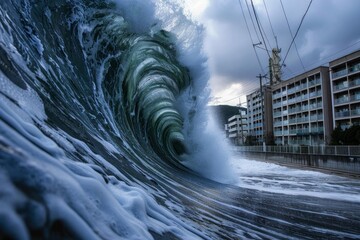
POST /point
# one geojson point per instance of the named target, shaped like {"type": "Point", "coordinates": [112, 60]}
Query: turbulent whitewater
{"type": "Point", "coordinates": [104, 133]}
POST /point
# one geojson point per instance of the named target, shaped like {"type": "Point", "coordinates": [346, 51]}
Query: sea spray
{"type": "Point", "coordinates": [207, 150]}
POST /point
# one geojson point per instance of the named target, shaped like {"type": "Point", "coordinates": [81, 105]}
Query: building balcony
{"type": "Point", "coordinates": [315, 94]}
{"type": "Point", "coordinates": [278, 133]}
{"type": "Point", "coordinates": [355, 112]}
{"type": "Point", "coordinates": [276, 105]}
{"type": "Point", "coordinates": [355, 97]}
{"type": "Point", "coordinates": [341, 86]}
{"type": "Point", "coordinates": [292, 120]}
{"type": "Point", "coordinates": [339, 73]}
{"type": "Point", "coordinates": [278, 123]}
{"type": "Point", "coordinates": [342, 114]}
{"type": "Point", "coordinates": [319, 130]}
{"type": "Point", "coordinates": [315, 105]}
{"type": "Point", "coordinates": [294, 110]}
{"type": "Point", "coordinates": [341, 100]}
{"type": "Point", "coordinates": [314, 82]}
{"type": "Point", "coordinates": [315, 118]}
{"type": "Point", "coordinates": [355, 68]}
{"type": "Point", "coordinates": [354, 82]}
{"type": "Point", "coordinates": [292, 131]}
{"type": "Point", "coordinates": [278, 95]}
{"type": "Point", "coordinates": [303, 131]}
{"type": "Point", "coordinates": [277, 114]}
{"type": "Point", "coordinates": [292, 100]}
{"type": "Point", "coordinates": [303, 119]}
{"type": "Point", "coordinates": [291, 90]}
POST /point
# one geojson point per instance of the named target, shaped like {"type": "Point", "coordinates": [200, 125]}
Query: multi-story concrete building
{"type": "Point", "coordinates": [302, 113]}
{"type": "Point", "coordinates": [345, 84]}
{"type": "Point", "coordinates": [260, 115]}
{"type": "Point", "coordinates": [237, 128]}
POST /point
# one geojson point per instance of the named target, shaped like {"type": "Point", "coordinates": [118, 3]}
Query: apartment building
{"type": "Point", "coordinates": [237, 128]}
{"type": "Point", "coordinates": [345, 85]}
{"type": "Point", "coordinates": [302, 112]}
{"type": "Point", "coordinates": [260, 115]}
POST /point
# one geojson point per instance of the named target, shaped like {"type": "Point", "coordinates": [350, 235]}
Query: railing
{"type": "Point", "coordinates": [340, 73]}
{"type": "Point", "coordinates": [355, 97]}
{"type": "Point", "coordinates": [314, 82]}
{"type": "Point", "coordinates": [315, 150]}
{"type": "Point", "coordinates": [342, 114]}
{"type": "Point", "coordinates": [314, 94]}
{"type": "Point", "coordinates": [315, 105]}
{"type": "Point", "coordinates": [276, 105]}
{"type": "Point", "coordinates": [317, 130]}
{"type": "Point", "coordinates": [341, 86]}
{"type": "Point", "coordinates": [277, 114]}
{"type": "Point", "coordinates": [341, 100]}
{"type": "Point", "coordinates": [355, 112]}
{"type": "Point", "coordinates": [314, 118]}
{"type": "Point", "coordinates": [278, 123]}
{"type": "Point", "coordinates": [277, 95]}
{"type": "Point", "coordinates": [354, 82]}
{"type": "Point", "coordinates": [278, 133]}
{"type": "Point", "coordinates": [354, 68]}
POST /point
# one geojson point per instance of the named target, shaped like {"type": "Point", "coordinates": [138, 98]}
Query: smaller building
{"type": "Point", "coordinates": [236, 129]}
{"type": "Point", "coordinates": [260, 122]}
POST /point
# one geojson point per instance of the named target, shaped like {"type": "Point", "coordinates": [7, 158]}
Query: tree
{"type": "Point", "coordinates": [270, 139]}
{"type": "Point", "coordinates": [349, 136]}
{"type": "Point", "coordinates": [337, 136]}
{"type": "Point", "coordinates": [250, 140]}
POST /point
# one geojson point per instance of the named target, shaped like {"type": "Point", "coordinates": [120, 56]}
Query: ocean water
{"type": "Point", "coordinates": [105, 134]}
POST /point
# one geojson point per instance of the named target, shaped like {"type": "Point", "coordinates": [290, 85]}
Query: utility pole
{"type": "Point", "coordinates": [262, 107]}
{"type": "Point", "coordinates": [274, 65]}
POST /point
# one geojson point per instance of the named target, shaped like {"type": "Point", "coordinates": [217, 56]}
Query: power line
{"type": "Point", "coordinates": [258, 23]}
{"type": "Point", "coordinates": [248, 8]}
{"type": "Point", "coordinates": [272, 29]}
{"type": "Point", "coordinates": [323, 61]}
{"type": "Point", "coordinates": [247, 92]}
{"type": "Point", "coordinates": [297, 31]}
{"type": "Point", "coordinates": [287, 21]}
{"type": "Point", "coordinates": [252, 41]}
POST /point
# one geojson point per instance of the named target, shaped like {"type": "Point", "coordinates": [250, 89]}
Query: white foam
{"type": "Point", "coordinates": [269, 177]}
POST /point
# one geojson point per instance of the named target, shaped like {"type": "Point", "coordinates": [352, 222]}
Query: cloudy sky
{"type": "Point", "coordinates": [331, 28]}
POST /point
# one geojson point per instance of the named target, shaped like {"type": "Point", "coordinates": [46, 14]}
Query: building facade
{"type": "Point", "coordinates": [302, 113]}
{"type": "Point", "coordinates": [260, 115]}
{"type": "Point", "coordinates": [345, 85]}
{"type": "Point", "coordinates": [237, 128]}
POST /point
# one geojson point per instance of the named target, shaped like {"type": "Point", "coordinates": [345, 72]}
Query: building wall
{"type": "Point", "coordinates": [237, 129]}
{"type": "Point", "coordinates": [301, 108]}
{"type": "Point", "coordinates": [345, 86]}
{"type": "Point", "coordinates": [257, 104]}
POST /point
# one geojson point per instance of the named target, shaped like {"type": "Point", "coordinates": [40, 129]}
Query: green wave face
{"type": "Point", "coordinates": [142, 81]}
{"type": "Point", "coordinates": [153, 79]}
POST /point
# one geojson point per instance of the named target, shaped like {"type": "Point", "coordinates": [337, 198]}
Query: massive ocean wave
{"type": "Point", "coordinates": [105, 133]}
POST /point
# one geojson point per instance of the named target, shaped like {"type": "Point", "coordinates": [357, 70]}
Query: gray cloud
{"type": "Point", "coordinates": [329, 29]}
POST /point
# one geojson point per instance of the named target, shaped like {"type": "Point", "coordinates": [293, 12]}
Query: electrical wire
{"type": "Point", "coordinates": [297, 31]}
{"type": "Point", "coordinates": [252, 41]}
{"type": "Point", "coordinates": [252, 20]}
{"type": "Point", "coordinates": [287, 21]}
{"type": "Point", "coordinates": [272, 29]}
{"type": "Point", "coordinates": [258, 23]}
